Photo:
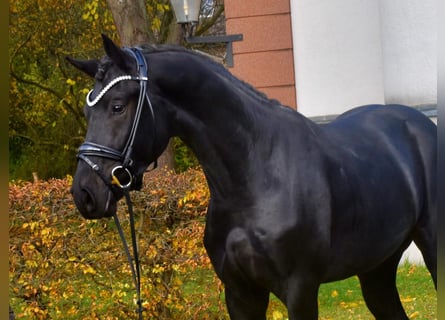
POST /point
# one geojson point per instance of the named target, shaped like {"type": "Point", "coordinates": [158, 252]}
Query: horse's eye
{"type": "Point", "coordinates": [118, 108]}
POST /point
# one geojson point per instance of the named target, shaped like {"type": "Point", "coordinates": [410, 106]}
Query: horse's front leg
{"type": "Point", "coordinates": [302, 299]}
{"type": "Point", "coordinates": [245, 305]}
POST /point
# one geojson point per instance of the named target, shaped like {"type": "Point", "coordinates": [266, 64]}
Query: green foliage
{"type": "Point", "coordinates": [184, 156]}
{"type": "Point", "coordinates": [46, 95]}
{"type": "Point", "coordinates": [160, 16]}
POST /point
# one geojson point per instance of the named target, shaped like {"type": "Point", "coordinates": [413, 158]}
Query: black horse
{"type": "Point", "coordinates": [293, 204]}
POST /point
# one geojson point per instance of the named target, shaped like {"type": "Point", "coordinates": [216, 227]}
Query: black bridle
{"type": "Point", "coordinates": [123, 171]}
{"type": "Point", "coordinates": [121, 175]}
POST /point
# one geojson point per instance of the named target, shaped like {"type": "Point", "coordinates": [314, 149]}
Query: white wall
{"type": "Point", "coordinates": [350, 52]}
{"type": "Point", "coordinates": [413, 255]}
{"type": "Point", "coordinates": [409, 43]}
{"type": "Point", "coordinates": [337, 52]}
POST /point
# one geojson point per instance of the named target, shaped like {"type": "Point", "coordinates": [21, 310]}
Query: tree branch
{"type": "Point", "coordinates": [51, 91]}
{"type": "Point", "coordinates": [210, 22]}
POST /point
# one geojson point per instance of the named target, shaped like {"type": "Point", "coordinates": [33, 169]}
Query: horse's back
{"type": "Point", "coordinates": [387, 127]}
{"type": "Point", "coordinates": [396, 134]}
{"type": "Point", "coordinates": [396, 129]}
{"type": "Point", "coordinates": [377, 116]}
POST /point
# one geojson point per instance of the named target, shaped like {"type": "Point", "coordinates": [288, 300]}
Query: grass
{"type": "Point", "coordinates": [337, 300]}
{"type": "Point", "coordinates": [343, 299]}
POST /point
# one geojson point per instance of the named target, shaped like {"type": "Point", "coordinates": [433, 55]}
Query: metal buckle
{"type": "Point", "coordinates": [124, 174]}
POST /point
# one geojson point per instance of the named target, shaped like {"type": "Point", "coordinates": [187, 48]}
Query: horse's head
{"type": "Point", "coordinates": [122, 138]}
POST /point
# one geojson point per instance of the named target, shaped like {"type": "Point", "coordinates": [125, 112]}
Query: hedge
{"type": "Point", "coordinates": [62, 266]}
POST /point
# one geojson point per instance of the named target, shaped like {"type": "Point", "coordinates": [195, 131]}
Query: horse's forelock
{"type": "Point", "coordinates": [103, 68]}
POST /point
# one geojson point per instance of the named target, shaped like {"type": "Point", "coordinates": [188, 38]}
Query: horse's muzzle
{"type": "Point", "coordinates": [92, 201]}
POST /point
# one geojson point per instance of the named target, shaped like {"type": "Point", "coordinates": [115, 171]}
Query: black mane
{"type": "Point", "coordinates": [217, 68]}
{"type": "Point", "coordinates": [102, 68]}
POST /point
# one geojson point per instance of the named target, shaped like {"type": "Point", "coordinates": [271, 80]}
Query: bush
{"type": "Point", "coordinates": [184, 156]}
{"type": "Point", "coordinates": [64, 267]}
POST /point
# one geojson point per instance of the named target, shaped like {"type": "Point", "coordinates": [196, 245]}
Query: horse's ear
{"type": "Point", "coordinates": [116, 54]}
{"type": "Point", "coordinates": [88, 66]}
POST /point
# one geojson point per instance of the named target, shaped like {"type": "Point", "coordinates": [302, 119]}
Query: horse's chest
{"type": "Point", "coordinates": [258, 232]}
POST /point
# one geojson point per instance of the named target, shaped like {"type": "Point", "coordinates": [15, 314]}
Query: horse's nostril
{"type": "Point", "coordinates": [88, 200]}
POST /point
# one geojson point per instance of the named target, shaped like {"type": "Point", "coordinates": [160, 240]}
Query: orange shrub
{"type": "Point", "coordinates": [64, 267]}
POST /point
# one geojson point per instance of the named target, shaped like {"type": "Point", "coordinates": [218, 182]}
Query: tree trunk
{"type": "Point", "coordinates": [131, 21]}
{"type": "Point", "coordinates": [133, 27]}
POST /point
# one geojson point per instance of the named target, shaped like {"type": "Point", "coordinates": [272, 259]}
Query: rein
{"type": "Point", "coordinates": [134, 267]}
{"type": "Point", "coordinates": [121, 175]}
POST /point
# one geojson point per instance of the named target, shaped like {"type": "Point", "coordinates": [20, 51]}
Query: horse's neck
{"type": "Point", "coordinates": [236, 146]}
{"type": "Point", "coordinates": [225, 123]}
{"type": "Point", "coordinates": [222, 141]}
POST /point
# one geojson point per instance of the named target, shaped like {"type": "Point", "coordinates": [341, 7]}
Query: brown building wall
{"type": "Point", "coordinates": [264, 58]}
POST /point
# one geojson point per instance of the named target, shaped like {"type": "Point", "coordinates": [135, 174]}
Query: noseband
{"type": "Point", "coordinates": [121, 175]}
